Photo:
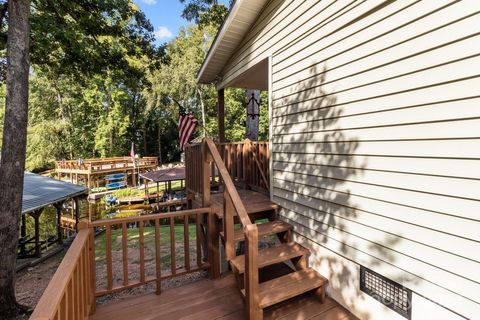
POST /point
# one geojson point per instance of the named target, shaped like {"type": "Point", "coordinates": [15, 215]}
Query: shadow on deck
{"type": "Point", "coordinates": [215, 299]}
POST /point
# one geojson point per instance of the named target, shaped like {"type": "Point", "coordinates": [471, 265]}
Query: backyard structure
{"type": "Point", "coordinates": [40, 192]}
{"type": "Point", "coordinates": [90, 172]}
{"type": "Point", "coordinates": [166, 176]}
{"type": "Point", "coordinates": [373, 168]}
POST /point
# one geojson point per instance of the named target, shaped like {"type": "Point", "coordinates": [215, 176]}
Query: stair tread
{"type": "Point", "coordinates": [271, 227]}
{"type": "Point", "coordinates": [288, 286]}
{"type": "Point", "coordinates": [252, 208]}
{"type": "Point", "coordinates": [269, 256]}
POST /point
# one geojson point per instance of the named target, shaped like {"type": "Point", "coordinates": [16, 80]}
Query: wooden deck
{"type": "Point", "coordinates": [254, 202]}
{"type": "Point", "coordinates": [215, 299]}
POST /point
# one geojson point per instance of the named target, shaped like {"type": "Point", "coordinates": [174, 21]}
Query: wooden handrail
{"type": "Point", "coordinates": [70, 290]}
{"type": "Point", "coordinates": [228, 183]}
{"type": "Point", "coordinates": [233, 203]}
{"type": "Point", "coordinates": [148, 217]}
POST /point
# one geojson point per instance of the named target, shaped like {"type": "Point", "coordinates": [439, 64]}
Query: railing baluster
{"type": "Point", "coordinates": [125, 253]}
{"type": "Point", "coordinates": [142, 252]}
{"type": "Point", "coordinates": [92, 270]}
{"type": "Point", "coordinates": [81, 301]}
{"type": "Point", "coordinates": [251, 272]}
{"type": "Point", "coordinates": [70, 300]}
{"type": "Point", "coordinates": [198, 238]}
{"type": "Point", "coordinates": [158, 266]}
{"type": "Point", "coordinates": [173, 258]}
{"type": "Point", "coordinates": [186, 245]}
{"type": "Point", "coordinates": [228, 212]}
{"type": "Point", "coordinates": [108, 248]}
{"type": "Point", "coordinates": [85, 280]}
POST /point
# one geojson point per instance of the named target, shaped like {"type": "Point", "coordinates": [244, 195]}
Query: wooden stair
{"type": "Point", "coordinates": [264, 229]}
{"type": "Point", "coordinates": [289, 286]}
{"type": "Point", "coordinates": [286, 286]}
{"type": "Point", "coordinates": [270, 256]}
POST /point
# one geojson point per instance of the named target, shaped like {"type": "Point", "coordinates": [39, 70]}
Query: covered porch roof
{"type": "Point", "coordinates": [241, 18]}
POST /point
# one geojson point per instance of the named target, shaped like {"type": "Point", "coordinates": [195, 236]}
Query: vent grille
{"type": "Point", "coordinates": [388, 292]}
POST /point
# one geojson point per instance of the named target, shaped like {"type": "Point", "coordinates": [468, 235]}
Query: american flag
{"type": "Point", "coordinates": [186, 127]}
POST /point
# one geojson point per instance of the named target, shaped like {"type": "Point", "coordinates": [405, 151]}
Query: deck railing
{"type": "Point", "coordinates": [104, 164]}
{"type": "Point", "coordinates": [233, 206]}
{"type": "Point", "coordinates": [170, 220]}
{"type": "Point", "coordinates": [72, 292]}
{"type": "Point", "coordinates": [246, 161]}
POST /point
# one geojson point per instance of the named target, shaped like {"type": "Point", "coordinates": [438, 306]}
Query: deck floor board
{"type": "Point", "coordinates": [214, 299]}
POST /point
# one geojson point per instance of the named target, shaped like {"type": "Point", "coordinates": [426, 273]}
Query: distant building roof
{"type": "Point", "coordinates": [40, 191]}
{"type": "Point", "coordinates": [162, 175]}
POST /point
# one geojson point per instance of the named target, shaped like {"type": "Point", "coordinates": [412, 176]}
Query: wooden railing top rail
{"type": "Point", "coordinates": [228, 183]}
{"type": "Point", "coordinates": [148, 217]}
{"type": "Point", "coordinates": [106, 159]}
{"type": "Point", "coordinates": [48, 307]}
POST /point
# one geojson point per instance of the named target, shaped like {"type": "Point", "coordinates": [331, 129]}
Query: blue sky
{"type": "Point", "coordinates": [165, 16]}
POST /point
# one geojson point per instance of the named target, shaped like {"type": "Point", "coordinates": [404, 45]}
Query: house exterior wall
{"type": "Point", "coordinates": [375, 119]}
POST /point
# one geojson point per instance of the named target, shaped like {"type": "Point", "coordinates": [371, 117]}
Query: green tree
{"type": "Point", "coordinates": [204, 12]}
{"type": "Point", "coordinates": [12, 160]}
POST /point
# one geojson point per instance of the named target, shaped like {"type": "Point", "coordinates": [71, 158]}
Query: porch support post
{"type": "Point", "coordinates": [58, 206]}
{"type": "Point", "coordinates": [36, 218]}
{"type": "Point", "coordinates": [221, 115]}
{"type": "Point", "coordinates": [23, 233]}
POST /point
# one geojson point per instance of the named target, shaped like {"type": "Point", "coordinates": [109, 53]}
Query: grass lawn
{"type": "Point", "coordinates": [131, 192]}
{"type": "Point", "coordinates": [149, 239]}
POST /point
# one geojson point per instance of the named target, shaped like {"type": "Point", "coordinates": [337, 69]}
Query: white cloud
{"type": "Point", "coordinates": [150, 2]}
{"type": "Point", "coordinates": [163, 33]}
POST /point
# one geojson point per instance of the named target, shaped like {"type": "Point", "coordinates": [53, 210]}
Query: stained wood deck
{"type": "Point", "coordinates": [253, 201]}
{"type": "Point", "coordinates": [215, 299]}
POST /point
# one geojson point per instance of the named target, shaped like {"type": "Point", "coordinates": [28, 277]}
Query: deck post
{"type": "Point", "coordinates": [75, 204]}
{"type": "Point", "coordinates": [254, 312]}
{"type": "Point", "coordinates": [23, 233]}
{"type": "Point", "coordinates": [58, 207]}
{"type": "Point", "coordinates": [221, 115]}
{"type": "Point", "coordinates": [36, 218]}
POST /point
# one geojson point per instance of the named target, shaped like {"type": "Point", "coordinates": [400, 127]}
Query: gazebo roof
{"type": "Point", "coordinates": [40, 191]}
{"type": "Point", "coordinates": [163, 175]}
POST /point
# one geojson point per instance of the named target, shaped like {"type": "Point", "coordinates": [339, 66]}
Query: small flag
{"type": "Point", "coordinates": [186, 127]}
{"type": "Point", "coordinates": [132, 155]}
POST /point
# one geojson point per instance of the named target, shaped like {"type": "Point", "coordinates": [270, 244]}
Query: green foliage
{"type": "Point", "coordinates": [204, 12]}
{"type": "Point", "coordinates": [98, 82]}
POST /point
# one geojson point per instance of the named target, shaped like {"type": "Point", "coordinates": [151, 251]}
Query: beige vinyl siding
{"type": "Point", "coordinates": [282, 22]}
{"type": "Point", "coordinates": [376, 139]}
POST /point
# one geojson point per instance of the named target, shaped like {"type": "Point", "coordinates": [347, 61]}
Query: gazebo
{"type": "Point", "coordinates": [167, 176]}
{"type": "Point", "coordinates": [39, 192]}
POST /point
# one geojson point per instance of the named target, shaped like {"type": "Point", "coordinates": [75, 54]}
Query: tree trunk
{"type": "Point", "coordinates": [145, 144]}
{"type": "Point", "coordinates": [253, 114]}
{"type": "Point", "coordinates": [12, 163]}
{"type": "Point", "coordinates": [159, 136]}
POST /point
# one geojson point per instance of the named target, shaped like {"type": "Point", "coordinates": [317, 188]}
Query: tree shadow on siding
{"type": "Point", "coordinates": [313, 162]}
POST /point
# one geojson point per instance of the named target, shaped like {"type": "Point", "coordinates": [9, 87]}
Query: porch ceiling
{"type": "Point", "coordinates": [242, 16]}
